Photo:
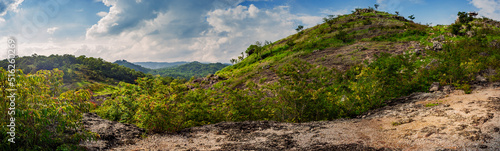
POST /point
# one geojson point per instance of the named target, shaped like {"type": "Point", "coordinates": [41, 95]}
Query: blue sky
{"type": "Point", "coordinates": [188, 30]}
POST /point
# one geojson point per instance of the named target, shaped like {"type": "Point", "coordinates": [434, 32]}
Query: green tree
{"type": "Point", "coordinates": [376, 6]}
{"type": "Point", "coordinates": [299, 28]}
{"type": "Point", "coordinates": [412, 17]}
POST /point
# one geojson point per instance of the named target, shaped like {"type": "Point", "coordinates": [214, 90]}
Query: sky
{"type": "Point", "coordinates": [188, 30]}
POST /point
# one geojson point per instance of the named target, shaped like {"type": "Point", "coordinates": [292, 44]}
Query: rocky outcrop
{"type": "Point", "coordinates": [110, 133]}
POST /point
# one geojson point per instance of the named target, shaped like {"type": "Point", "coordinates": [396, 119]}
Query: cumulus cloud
{"type": "Point", "coordinates": [9, 5]}
{"type": "Point", "coordinates": [488, 8]}
{"type": "Point", "coordinates": [52, 30]}
{"type": "Point", "coordinates": [102, 14]}
{"type": "Point", "coordinates": [180, 30]}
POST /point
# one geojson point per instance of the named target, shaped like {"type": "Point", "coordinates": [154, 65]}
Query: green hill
{"type": "Point", "coordinates": [132, 66]}
{"type": "Point", "coordinates": [189, 70]}
{"type": "Point", "coordinates": [338, 69]}
{"type": "Point", "coordinates": [77, 69]}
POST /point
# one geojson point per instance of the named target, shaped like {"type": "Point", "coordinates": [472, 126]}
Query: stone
{"type": "Point", "coordinates": [480, 78]}
{"type": "Point", "coordinates": [439, 38]}
{"type": "Point", "coordinates": [470, 33]}
{"type": "Point", "coordinates": [447, 89]}
{"type": "Point", "coordinates": [434, 87]}
{"type": "Point", "coordinates": [437, 46]}
{"type": "Point", "coordinates": [417, 51]}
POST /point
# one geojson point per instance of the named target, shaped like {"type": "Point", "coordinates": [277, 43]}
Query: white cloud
{"type": "Point", "coordinates": [211, 31]}
{"type": "Point", "coordinates": [488, 8]}
{"type": "Point", "coordinates": [52, 30]}
{"type": "Point", "coordinates": [176, 30]}
{"type": "Point", "coordinates": [8, 5]}
{"type": "Point", "coordinates": [102, 14]}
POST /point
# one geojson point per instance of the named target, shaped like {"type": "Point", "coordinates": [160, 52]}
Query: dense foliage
{"type": "Point", "coordinates": [43, 119]}
{"type": "Point", "coordinates": [77, 69]}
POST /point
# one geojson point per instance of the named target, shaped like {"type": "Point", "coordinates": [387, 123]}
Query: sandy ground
{"type": "Point", "coordinates": [458, 122]}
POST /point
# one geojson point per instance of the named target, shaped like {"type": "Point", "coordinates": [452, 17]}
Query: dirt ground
{"type": "Point", "coordinates": [421, 121]}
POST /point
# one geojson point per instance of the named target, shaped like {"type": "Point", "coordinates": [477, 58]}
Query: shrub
{"type": "Point", "coordinates": [43, 120]}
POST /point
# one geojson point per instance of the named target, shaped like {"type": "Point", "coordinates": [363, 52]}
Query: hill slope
{"type": "Point", "coordinates": [132, 66]}
{"type": "Point", "coordinates": [77, 69]}
{"type": "Point", "coordinates": [342, 68]}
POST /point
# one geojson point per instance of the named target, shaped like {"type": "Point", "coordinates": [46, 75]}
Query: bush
{"type": "Point", "coordinates": [43, 120]}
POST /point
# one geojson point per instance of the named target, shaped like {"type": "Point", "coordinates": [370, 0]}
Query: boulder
{"type": "Point", "coordinates": [434, 87]}
{"type": "Point", "coordinates": [111, 133]}
{"type": "Point", "coordinates": [470, 33]}
{"type": "Point", "coordinates": [437, 46]}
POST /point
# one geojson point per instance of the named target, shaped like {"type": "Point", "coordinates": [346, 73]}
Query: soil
{"type": "Point", "coordinates": [421, 121]}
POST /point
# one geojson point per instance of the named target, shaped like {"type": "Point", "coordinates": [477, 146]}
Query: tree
{"type": "Point", "coordinates": [299, 28]}
{"type": "Point", "coordinates": [464, 17]}
{"type": "Point", "coordinates": [412, 17]}
{"type": "Point", "coordinates": [233, 61]}
{"type": "Point", "coordinates": [397, 13]}
{"type": "Point", "coordinates": [376, 6]}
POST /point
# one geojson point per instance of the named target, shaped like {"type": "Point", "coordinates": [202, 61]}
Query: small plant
{"type": "Point", "coordinates": [396, 123]}
{"type": "Point", "coordinates": [431, 104]}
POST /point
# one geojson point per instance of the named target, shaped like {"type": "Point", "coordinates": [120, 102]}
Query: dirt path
{"type": "Point", "coordinates": [459, 121]}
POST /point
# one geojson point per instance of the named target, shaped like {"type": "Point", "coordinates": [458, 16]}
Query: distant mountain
{"type": "Point", "coordinates": [189, 70]}
{"type": "Point", "coordinates": [132, 66]}
{"type": "Point", "coordinates": [158, 65]}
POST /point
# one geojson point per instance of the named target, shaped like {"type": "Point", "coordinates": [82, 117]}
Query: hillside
{"type": "Point", "coordinates": [132, 66]}
{"type": "Point", "coordinates": [76, 69]}
{"type": "Point", "coordinates": [158, 65]}
{"type": "Point", "coordinates": [368, 80]}
{"type": "Point", "coordinates": [342, 68]}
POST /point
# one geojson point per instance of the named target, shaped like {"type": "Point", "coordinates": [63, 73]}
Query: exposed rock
{"type": "Point", "coordinates": [495, 44]}
{"type": "Point", "coordinates": [439, 38]}
{"type": "Point", "coordinates": [417, 51]}
{"type": "Point", "coordinates": [441, 127]}
{"type": "Point", "coordinates": [436, 46]}
{"type": "Point", "coordinates": [434, 87]}
{"type": "Point", "coordinates": [111, 133]}
{"type": "Point", "coordinates": [447, 89]}
{"type": "Point", "coordinates": [470, 33]}
{"type": "Point", "coordinates": [480, 78]}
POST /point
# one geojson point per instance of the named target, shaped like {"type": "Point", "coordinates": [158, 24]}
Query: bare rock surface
{"type": "Point", "coordinates": [110, 133]}
{"type": "Point", "coordinates": [421, 121]}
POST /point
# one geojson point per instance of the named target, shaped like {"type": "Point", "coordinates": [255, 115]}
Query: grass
{"type": "Point", "coordinates": [431, 104]}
